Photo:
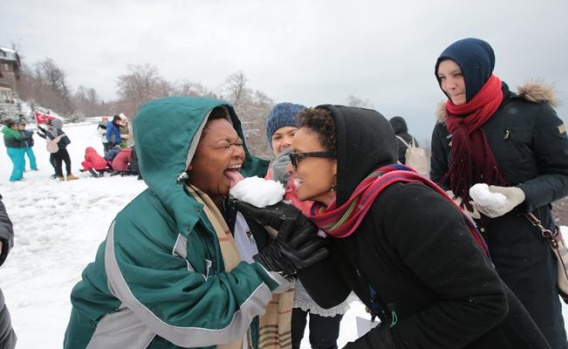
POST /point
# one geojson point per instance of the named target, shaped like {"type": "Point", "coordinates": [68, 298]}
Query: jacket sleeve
{"type": "Point", "coordinates": [324, 283]}
{"type": "Point", "coordinates": [6, 232]}
{"type": "Point", "coordinates": [439, 158]}
{"type": "Point", "coordinates": [550, 147]}
{"type": "Point", "coordinates": [429, 236]}
{"type": "Point", "coordinates": [41, 132]}
{"type": "Point", "coordinates": [108, 133]}
{"type": "Point", "coordinates": [180, 293]}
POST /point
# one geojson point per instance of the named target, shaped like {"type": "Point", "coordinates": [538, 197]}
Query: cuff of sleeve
{"type": "Point", "coordinates": [284, 284]}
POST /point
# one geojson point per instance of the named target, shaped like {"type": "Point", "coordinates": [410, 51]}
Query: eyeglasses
{"type": "Point", "coordinates": [295, 158]}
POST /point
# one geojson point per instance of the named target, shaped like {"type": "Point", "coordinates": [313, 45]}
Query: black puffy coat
{"type": "Point", "coordinates": [530, 146]}
{"type": "Point", "coordinates": [433, 283]}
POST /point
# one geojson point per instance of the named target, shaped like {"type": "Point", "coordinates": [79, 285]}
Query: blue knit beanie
{"type": "Point", "coordinates": [281, 115]}
{"type": "Point", "coordinates": [476, 60]}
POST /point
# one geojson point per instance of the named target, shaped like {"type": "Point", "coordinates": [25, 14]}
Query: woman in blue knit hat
{"type": "Point", "coordinates": [323, 323]}
{"type": "Point", "coordinates": [515, 143]}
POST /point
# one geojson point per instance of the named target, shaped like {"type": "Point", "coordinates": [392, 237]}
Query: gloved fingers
{"type": "Point", "coordinates": [317, 256]}
{"type": "Point", "coordinates": [304, 231]}
{"type": "Point", "coordinates": [281, 167]}
{"type": "Point", "coordinates": [498, 189]}
{"type": "Point", "coordinates": [265, 216]}
{"type": "Point", "coordinates": [309, 247]}
{"type": "Point", "coordinates": [456, 199]}
{"type": "Point", "coordinates": [475, 213]}
{"type": "Point", "coordinates": [286, 231]}
{"type": "Point", "coordinates": [490, 212]}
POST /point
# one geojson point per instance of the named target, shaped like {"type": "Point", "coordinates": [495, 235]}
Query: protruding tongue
{"type": "Point", "coordinates": [234, 176]}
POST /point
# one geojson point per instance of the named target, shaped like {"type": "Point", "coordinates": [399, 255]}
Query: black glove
{"type": "Point", "coordinates": [272, 216]}
{"type": "Point", "coordinates": [297, 244]}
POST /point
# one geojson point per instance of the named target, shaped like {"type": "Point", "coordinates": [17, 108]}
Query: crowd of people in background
{"type": "Point", "coordinates": [118, 152]}
{"type": "Point", "coordinates": [437, 269]}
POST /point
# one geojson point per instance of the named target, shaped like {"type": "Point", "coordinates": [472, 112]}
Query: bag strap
{"type": "Point", "coordinates": [403, 141]}
{"type": "Point", "coordinates": [552, 237]}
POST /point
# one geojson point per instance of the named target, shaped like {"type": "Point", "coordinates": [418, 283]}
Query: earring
{"type": "Point", "coordinates": [333, 186]}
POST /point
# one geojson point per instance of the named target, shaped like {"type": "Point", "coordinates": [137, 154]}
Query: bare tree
{"type": "Point", "coordinates": [54, 77]}
{"type": "Point", "coordinates": [235, 88]}
{"type": "Point", "coordinates": [252, 107]}
{"type": "Point", "coordinates": [46, 85]}
{"type": "Point", "coordinates": [87, 101]}
{"type": "Point", "coordinates": [353, 101]}
{"type": "Point", "coordinates": [141, 84]}
{"type": "Point", "coordinates": [189, 88]}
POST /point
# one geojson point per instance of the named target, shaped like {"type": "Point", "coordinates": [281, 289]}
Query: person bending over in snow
{"type": "Point", "coordinates": [397, 240]}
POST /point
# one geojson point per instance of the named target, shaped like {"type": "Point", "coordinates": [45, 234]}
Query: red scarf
{"type": "Point", "coordinates": [472, 159]}
{"type": "Point", "coordinates": [342, 221]}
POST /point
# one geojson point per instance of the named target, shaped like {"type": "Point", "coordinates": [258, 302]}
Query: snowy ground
{"type": "Point", "coordinates": [58, 227]}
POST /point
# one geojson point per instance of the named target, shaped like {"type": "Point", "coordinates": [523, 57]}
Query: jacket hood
{"type": "Point", "coordinates": [532, 91]}
{"type": "Point", "coordinates": [167, 132]}
{"type": "Point", "coordinates": [398, 124]}
{"type": "Point", "coordinates": [57, 123]}
{"type": "Point", "coordinates": [90, 151]}
{"type": "Point", "coordinates": [365, 141]}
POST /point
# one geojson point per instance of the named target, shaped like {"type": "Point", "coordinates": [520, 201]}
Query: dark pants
{"type": "Point", "coordinates": [62, 156]}
{"type": "Point", "coordinates": [323, 330]}
{"type": "Point", "coordinates": [7, 335]}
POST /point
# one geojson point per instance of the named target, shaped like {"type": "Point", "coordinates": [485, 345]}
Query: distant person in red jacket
{"type": "Point", "coordinates": [121, 162]}
{"type": "Point", "coordinates": [94, 163]}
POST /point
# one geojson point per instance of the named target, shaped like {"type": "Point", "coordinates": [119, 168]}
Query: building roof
{"type": "Point", "coordinates": [7, 54]}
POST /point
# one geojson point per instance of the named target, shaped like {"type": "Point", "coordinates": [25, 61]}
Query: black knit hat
{"type": "Point", "coordinates": [476, 60]}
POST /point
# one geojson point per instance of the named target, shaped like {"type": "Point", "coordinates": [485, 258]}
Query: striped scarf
{"type": "Point", "coordinates": [275, 324]}
{"type": "Point", "coordinates": [342, 221]}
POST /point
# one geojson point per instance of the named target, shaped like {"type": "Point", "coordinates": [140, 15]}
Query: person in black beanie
{"type": "Point", "coordinates": [7, 334]}
{"type": "Point", "coordinates": [515, 143]}
{"type": "Point", "coordinates": [402, 137]}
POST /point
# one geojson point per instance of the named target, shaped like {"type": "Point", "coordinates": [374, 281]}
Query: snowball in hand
{"type": "Point", "coordinates": [258, 191]}
{"type": "Point", "coordinates": [482, 196]}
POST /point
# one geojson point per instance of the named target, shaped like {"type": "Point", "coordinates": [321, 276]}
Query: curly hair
{"type": "Point", "coordinates": [321, 122]}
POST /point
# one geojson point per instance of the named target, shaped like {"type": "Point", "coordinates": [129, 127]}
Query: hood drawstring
{"type": "Point", "coordinates": [182, 177]}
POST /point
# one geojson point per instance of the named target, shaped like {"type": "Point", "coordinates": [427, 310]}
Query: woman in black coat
{"type": "Point", "coordinates": [516, 144]}
{"type": "Point", "coordinates": [398, 241]}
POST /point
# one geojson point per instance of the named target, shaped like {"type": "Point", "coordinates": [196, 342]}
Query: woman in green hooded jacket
{"type": "Point", "coordinates": [169, 273]}
{"type": "Point", "coordinates": [14, 142]}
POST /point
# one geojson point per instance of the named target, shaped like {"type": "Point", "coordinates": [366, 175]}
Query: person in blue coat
{"type": "Point", "coordinates": [113, 132]}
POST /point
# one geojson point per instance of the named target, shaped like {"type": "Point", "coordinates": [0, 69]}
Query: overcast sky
{"type": "Point", "coordinates": [304, 51]}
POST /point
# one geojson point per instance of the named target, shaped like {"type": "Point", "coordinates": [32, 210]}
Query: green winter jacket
{"type": "Point", "coordinates": [158, 280]}
{"type": "Point", "coordinates": [12, 138]}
